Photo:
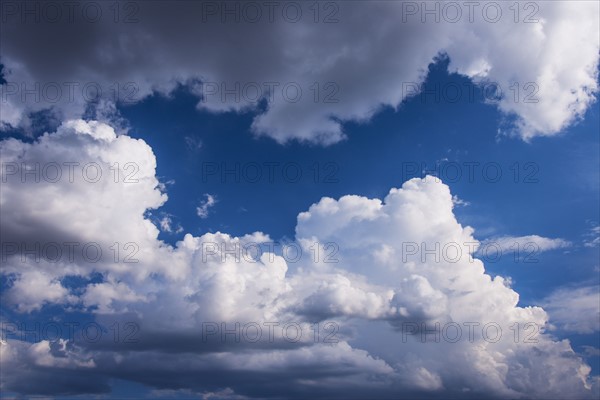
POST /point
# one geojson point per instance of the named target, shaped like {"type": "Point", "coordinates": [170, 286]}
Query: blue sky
{"type": "Point", "coordinates": [325, 171]}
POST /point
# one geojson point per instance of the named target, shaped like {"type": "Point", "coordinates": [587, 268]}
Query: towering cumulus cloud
{"type": "Point", "coordinates": [308, 61]}
{"type": "Point", "coordinates": [368, 308]}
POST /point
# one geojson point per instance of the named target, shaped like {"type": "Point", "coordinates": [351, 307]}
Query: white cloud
{"type": "Point", "coordinates": [165, 224]}
{"type": "Point", "coordinates": [377, 299]}
{"type": "Point", "coordinates": [56, 354]}
{"type": "Point", "coordinates": [575, 309]}
{"type": "Point", "coordinates": [591, 351]}
{"type": "Point", "coordinates": [34, 288]}
{"type": "Point", "coordinates": [459, 202]}
{"type": "Point", "coordinates": [546, 70]}
{"type": "Point", "coordinates": [532, 243]}
{"type": "Point", "coordinates": [592, 237]}
{"type": "Point", "coordinates": [202, 209]}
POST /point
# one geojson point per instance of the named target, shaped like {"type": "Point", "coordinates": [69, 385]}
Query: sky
{"type": "Point", "coordinates": [351, 199]}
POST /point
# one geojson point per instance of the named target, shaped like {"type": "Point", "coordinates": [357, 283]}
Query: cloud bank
{"type": "Point", "coordinates": [388, 318]}
{"type": "Point", "coordinates": [302, 70]}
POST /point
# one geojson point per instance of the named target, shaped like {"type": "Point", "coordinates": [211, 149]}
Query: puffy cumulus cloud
{"type": "Point", "coordinates": [335, 294]}
{"type": "Point", "coordinates": [61, 198]}
{"type": "Point", "coordinates": [313, 75]}
{"type": "Point", "coordinates": [33, 288]}
{"type": "Point", "coordinates": [433, 286]}
{"type": "Point", "coordinates": [373, 306]}
{"type": "Point", "coordinates": [540, 60]}
{"type": "Point", "coordinates": [575, 309]}
{"type": "Point", "coordinates": [63, 175]}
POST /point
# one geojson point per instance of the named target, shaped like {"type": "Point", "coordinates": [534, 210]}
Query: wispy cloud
{"type": "Point", "coordinates": [575, 309]}
{"type": "Point", "coordinates": [203, 209]}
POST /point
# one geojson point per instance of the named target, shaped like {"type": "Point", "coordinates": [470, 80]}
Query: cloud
{"type": "Point", "coordinates": [534, 243]}
{"type": "Point", "coordinates": [387, 317]}
{"type": "Point", "coordinates": [591, 351]}
{"type": "Point", "coordinates": [165, 224]}
{"type": "Point", "coordinates": [575, 309]}
{"type": "Point", "coordinates": [193, 143]}
{"type": "Point", "coordinates": [592, 237]}
{"type": "Point", "coordinates": [545, 65]}
{"type": "Point", "coordinates": [34, 288]}
{"type": "Point", "coordinates": [459, 202]}
{"type": "Point", "coordinates": [202, 210]}
{"type": "Point", "coordinates": [32, 368]}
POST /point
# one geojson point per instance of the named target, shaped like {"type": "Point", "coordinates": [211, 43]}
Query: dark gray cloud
{"type": "Point", "coordinates": [354, 59]}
